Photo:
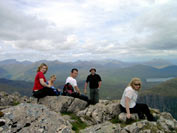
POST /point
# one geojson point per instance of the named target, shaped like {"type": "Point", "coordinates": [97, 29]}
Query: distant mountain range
{"type": "Point", "coordinates": [115, 74]}
{"type": "Point", "coordinates": [19, 76]}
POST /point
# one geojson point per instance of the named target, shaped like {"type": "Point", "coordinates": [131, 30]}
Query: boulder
{"type": "Point", "coordinates": [9, 100]}
{"type": "Point", "coordinates": [30, 118]}
{"type": "Point", "coordinates": [123, 117]}
{"type": "Point", "coordinates": [63, 104]}
{"type": "Point", "coordinates": [105, 127]}
{"type": "Point", "coordinates": [103, 111]}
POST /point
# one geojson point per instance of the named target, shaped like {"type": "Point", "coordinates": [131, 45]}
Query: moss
{"type": "Point", "coordinates": [115, 120]}
{"type": "Point", "coordinates": [15, 103]}
{"type": "Point", "coordinates": [1, 114]}
{"type": "Point", "coordinates": [153, 128]}
{"type": "Point", "coordinates": [77, 124]}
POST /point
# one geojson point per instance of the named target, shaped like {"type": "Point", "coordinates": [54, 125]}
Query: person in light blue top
{"type": "Point", "coordinates": [51, 83]}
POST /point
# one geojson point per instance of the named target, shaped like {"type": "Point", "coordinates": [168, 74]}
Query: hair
{"type": "Point", "coordinates": [133, 80]}
{"type": "Point", "coordinates": [92, 69]}
{"type": "Point", "coordinates": [39, 67]}
{"type": "Point", "coordinates": [74, 69]}
{"type": "Point", "coordinates": [52, 76]}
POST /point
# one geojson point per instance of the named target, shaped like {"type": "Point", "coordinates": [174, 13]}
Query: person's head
{"type": "Point", "coordinates": [53, 78]}
{"type": "Point", "coordinates": [92, 71]}
{"type": "Point", "coordinates": [74, 72]}
{"type": "Point", "coordinates": [135, 83]}
{"type": "Point", "coordinates": [42, 68]}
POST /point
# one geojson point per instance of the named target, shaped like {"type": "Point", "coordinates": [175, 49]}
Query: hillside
{"type": "Point", "coordinates": [162, 96]}
{"type": "Point", "coordinates": [10, 86]}
{"type": "Point", "coordinates": [168, 89]}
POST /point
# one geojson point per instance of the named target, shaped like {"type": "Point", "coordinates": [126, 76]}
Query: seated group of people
{"type": "Point", "coordinates": [128, 103]}
{"type": "Point", "coordinates": [43, 88]}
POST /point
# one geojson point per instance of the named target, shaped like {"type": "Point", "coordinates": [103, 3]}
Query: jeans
{"type": "Point", "coordinates": [44, 92]}
{"type": "Point", "coordinates": [76, 95]}
{"type": "Point", "coordinates": [94, 95]}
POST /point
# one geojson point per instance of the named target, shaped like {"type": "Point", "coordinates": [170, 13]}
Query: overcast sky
{"type": "Point", "coordinates": [70, 30]}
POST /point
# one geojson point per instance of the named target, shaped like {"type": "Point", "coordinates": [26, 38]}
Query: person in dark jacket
{"type": "Point", "coordinates": [94, 81]}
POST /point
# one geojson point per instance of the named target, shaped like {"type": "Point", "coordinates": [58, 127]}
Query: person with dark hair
{"type": "Point", "coordinates": [94, 81]}
{"type": "Point", "coordinates": [72, 83]}
{"type": "Point", "coordinates": [128, 101]}
{"type": "Point", "coordinates": [41, 88]}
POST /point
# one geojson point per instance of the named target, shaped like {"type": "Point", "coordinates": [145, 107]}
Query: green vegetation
{"type": "Point", "coordinates": [115, 120]}
{"type": "Point", "coordinates": [77, 124]}
{"type": "Point", "coordinates": [15, 103]}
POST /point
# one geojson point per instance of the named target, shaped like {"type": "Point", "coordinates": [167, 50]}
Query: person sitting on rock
{"type": "Point", "coordinates": [128, 101]}
{"type": "Point", "coordinates": [41, 88]}
{"type": "Point", "coordinates": [51, 83]}
{"type": "Point", "coordinates": [71, 83]}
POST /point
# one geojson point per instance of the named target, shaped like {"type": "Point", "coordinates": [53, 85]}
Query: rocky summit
{"type": "Point", "coordinates": [64, 114]}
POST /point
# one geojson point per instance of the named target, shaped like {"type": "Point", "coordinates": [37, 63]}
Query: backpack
{"type": "Point", "coordinates": [68, 89]}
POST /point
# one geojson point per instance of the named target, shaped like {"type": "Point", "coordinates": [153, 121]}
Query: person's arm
{"type": "Point", "coordinates": [77, 89]}
{"type": "Point", "coordinates": [85, 88]}
{"type": "Point", "coordinates": [127, 101]}
{"type": "Point", "coordinates": [43, 83]}
{"type": "Point", "coordinates": [99, 84]}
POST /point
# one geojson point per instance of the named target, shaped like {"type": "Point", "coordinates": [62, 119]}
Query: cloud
{"type": "Point", "coordinates": [83, 30]}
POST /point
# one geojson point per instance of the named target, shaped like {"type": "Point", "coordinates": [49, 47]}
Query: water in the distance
{"type": "Point", "coordinates": [158, 79]}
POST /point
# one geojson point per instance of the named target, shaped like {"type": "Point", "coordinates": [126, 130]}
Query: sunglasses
{"type": "Point", "coordinates": [137, 84]}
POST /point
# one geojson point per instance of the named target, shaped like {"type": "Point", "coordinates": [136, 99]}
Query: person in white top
{"type": "Point", "coordinates": [128, 103]}
{"type": "Point", "coordinates": [72, 81]}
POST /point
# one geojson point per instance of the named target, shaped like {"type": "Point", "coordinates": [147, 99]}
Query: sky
{"type": "Point", "coordinates": [71, 30]}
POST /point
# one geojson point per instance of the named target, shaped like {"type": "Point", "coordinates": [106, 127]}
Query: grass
{"type": "Point", "coordinates": [77, 124]}
{"type": "Point", "coordinates": [115, 120]}
{"type": "Point", "coordinates": [16, 103]}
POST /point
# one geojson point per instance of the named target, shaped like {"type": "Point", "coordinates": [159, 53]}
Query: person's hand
{"type": "Point", "coordinates": [128, 115]}
{"type": "Point", "coordinates": [49, 86]}
{"type": "Point", "coordinates": [85, 91]}
{"type": "Point", "coordinates": [59, 89]}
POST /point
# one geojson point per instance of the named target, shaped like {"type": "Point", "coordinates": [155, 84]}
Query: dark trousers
{"type": "Point", "coordinates": [141, 110]}
{"type": "Point", "coordinates": [94, 95]}
{"type": "Point", "coordinates": [76, 95]}
{"type": "Point", "coordinates": [44, 92]}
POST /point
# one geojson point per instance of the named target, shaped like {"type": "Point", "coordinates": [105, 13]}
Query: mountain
{"type": "Point", "coordinates": [158, 63]}
{"type": "Point", "coordinates": [115, 74]}
{"type": "Point", "coordinates": [10, 86]}
{"type": "Point", "coordinates": [162, 96]}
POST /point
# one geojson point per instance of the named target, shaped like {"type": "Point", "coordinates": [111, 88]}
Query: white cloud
{"type": "Point", "coordinates": [73, 30]}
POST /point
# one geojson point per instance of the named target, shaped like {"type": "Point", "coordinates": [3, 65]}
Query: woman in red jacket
{"type": "Point", "coordinates": [41, 88]}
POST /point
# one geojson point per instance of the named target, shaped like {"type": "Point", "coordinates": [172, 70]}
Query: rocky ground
{"type": "Point", "coordinates": [67, 115]}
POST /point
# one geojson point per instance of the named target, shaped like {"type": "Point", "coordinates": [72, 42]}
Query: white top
{"type": "Point", "coordinates": [72, 81]}
{"type": "Point", "coordinates": [130, 93]}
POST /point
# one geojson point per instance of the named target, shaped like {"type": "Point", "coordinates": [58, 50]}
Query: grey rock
{"type": "Point", "coordinates": [99, 113]}
{"type": "Point", "coordinates": [63, 103]}
{"type": "Point", "coordinates": [123, 117]}
{"type": "Point", "coordinates": [106, 127]}
{"type": "Point", "coordinates": [31, 118]}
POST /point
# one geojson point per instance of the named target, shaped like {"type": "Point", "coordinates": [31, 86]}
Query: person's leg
{"type": "Point", "coordinates": [122, 109]}
{"type": "Point", "coordinates": [83, 97]}
{"type": "Point", "coordinates": [50, 92]}
{"type": "Point", "coordinates": [96, 96]}
{"type": "Point", "coordinates": [142, 109]}
{"type": "Point", "coordinates": [40, 93]}
{"type": "Point", "coordinates": [91, 96]}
